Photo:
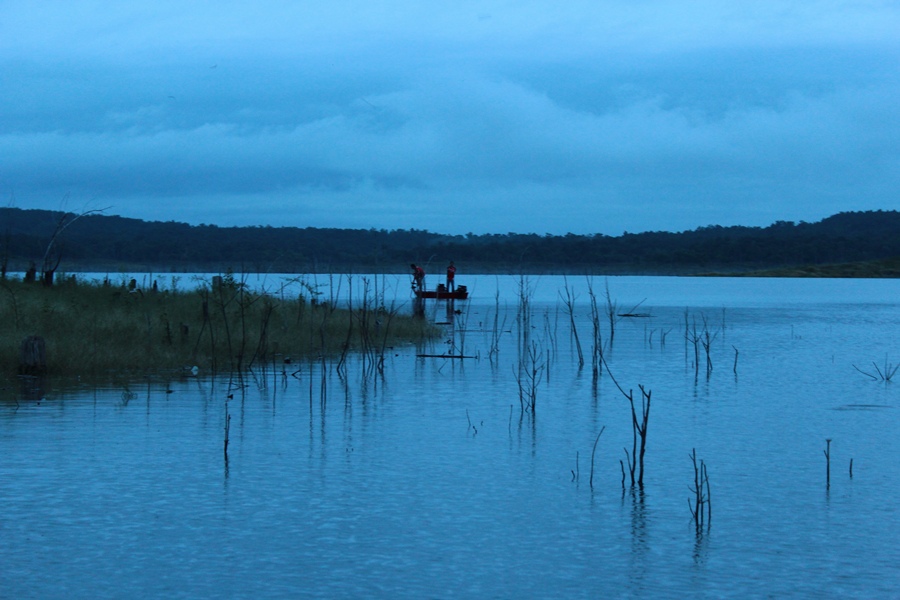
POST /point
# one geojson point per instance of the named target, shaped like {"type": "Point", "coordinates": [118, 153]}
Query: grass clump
{"type": "Point", "coordinates": [97, 328]}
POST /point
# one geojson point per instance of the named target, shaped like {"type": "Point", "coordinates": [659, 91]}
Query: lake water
{"type": "Point", "coordinates": [431, 482]}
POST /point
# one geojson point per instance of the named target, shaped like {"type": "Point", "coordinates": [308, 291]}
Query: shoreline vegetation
{"type": "Point", "coordinates": [887, 268]}
{"type": "Point", "coordinates": [873, 269]}
{"type": "Point", "coordinates": [118, 329]}
{"type": "Point", "coordinates": [91, 241]}
{"type": "Point", "coordinates": [96, 329]}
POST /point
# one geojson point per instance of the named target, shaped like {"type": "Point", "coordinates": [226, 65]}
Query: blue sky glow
{"type": "Point", "coordinates": [488, 117]}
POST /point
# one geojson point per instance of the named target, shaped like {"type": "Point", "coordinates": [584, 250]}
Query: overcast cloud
{"type": "Point", "coordinates": [487, 117]}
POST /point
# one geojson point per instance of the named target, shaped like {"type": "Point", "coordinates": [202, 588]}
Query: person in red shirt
{"type": "Point", "coordinates": [451, 275]}
{"type": "Point", "coordinates": [418, 277]}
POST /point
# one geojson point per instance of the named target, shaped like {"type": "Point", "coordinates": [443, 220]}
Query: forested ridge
{"type": "Point", "coordinates": [101, 242]}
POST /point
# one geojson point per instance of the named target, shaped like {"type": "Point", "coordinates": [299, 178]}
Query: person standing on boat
{"type": "Point", "coordinates": [451, 276]}
{"type": "Point", "coordinates": [418, 277]}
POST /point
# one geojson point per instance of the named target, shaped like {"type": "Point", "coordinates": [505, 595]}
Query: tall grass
{"type": "Point", "coordinates": [99, 328]}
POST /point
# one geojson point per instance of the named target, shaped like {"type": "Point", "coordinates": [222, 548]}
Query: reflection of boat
{"type": "Point", "coordinates": [442, 293]}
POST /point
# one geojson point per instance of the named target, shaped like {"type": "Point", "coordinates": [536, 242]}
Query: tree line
{"type": "Point", "coordinates": [93, 241]}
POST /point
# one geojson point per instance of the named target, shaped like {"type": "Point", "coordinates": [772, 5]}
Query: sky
{"type": "Point", "coordinates": [456, 117]}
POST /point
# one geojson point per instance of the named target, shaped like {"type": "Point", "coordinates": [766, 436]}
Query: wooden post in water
{"type": "Point", "coordinates": [33, 356]}
{"type": "Point", "coordinates": [227, 429]}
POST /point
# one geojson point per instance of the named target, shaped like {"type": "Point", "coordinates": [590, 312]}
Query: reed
{"type": "Point", "coordinates": [470, 423]}
{"type": "Point", "coordinates": [700, 339]}
{"type": "Point", "coordinates": [706, 341]}
{"type": "Point", "coordinates": [551, 329]}
{"type": "Point", "coordinates": [497, 329]}
{"type": "Point", "coordinates": [227, 431]}
{"type": "Point", "coordinates": [612, 308]}
{"type": "Point", "coordinates": [701, 504]}
{"type": "Point", "coordinates": [593, 452]}
{"type": "Point", "coordinates": [596, 339]}
{"type": "Point", "coordinates": [886, 374]}
{"type": "Point", "coordinates": [639, 425]}
{"type": "Point", "coordinates": [348, 340]}
{"type": "Point", "coordinates": [638, 432]}
{"type": "Point", "coordinates": [528, 373]}
{"type": "Point", "coordinates": [523, 316]}
{"type": "Point", "coordinates": [568, 297]}
{"type": "Point", "coordinates": [576, 473]}
{"type": "Point", "coordinates": [531, 361]}
{"type": "Point", "coordinates": [98, 328]}
{"type": "Point", "coordinates": [459, 325]}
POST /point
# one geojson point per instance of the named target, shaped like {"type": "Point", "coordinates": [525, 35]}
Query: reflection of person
{"type": "Point", "coordinates": [451, 275]}
{"type": "Point", "coordinates": [418, 277]}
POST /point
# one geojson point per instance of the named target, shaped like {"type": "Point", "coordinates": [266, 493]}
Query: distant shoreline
{"type": "Point", "coordinates": [832, 247]}
{"type": "Point", "coordinates": [877, 269]}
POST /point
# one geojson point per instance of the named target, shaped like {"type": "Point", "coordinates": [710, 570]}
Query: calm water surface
{"type": "Point", "coordinates": [429, 482]}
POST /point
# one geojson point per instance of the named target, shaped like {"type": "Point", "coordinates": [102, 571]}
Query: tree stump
{"type": "Point", "coordinates": [33, 356]}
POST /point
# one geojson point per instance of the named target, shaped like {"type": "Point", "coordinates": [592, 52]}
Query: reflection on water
{"type": "Point", "coordinates": [427, 479]}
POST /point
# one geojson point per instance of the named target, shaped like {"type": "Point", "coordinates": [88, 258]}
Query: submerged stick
{"type": "Point", "coordinates": [227, 428]}
{"type": "Point", "coordinates": [594, 451]}
{"type": "Point", "coordinates": [701, 506]}
{"type": "Point", "coordinates": [708, 496]}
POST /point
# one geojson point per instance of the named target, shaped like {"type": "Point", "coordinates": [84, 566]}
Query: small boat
{"type": "Point", "coordinates": [442, 293]}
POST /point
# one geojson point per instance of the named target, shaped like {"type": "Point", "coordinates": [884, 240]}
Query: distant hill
{"type": "Point", "coordinates": [884, 268]}
{"type": "Point", "coordinates": [112, 243]}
